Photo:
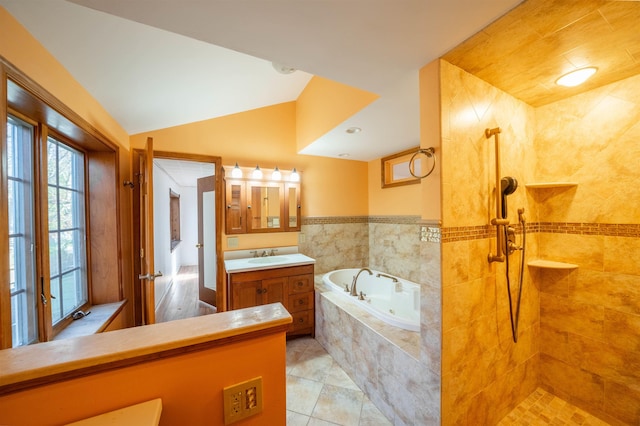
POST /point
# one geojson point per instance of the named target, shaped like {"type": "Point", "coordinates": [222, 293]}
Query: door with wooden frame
{"type": "Point", "coordinates": [207, 250]}
{"type": "Point", "coordinates": [147, 267]}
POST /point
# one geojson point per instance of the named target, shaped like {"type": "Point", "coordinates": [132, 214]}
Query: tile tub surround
{"type": "Point", "coordinates": [382, 360]}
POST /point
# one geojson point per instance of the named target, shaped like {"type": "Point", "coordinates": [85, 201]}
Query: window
{"type": "Point", "coordinates": [22, 281]}
{"type": "Point", "coordinates": [60, 248]}
{"type": "Point", "coordinates": [66, 228]}
{"type": "Point", "coordinates": [67, 251]}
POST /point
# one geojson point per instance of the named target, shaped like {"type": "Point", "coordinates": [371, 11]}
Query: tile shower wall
{"type": "Point", "coordinates": [484, 374]}
{"type": "Point", "coordinates": [581, 327]}
{"type": "Point", "coordinates": [590, 316]}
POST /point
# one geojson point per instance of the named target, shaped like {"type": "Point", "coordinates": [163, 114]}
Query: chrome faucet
{"type": "Point", "coordinates": [353, 291]}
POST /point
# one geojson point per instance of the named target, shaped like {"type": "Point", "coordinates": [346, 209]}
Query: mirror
{"type": "Point", "coordinates": [265, 207]}
{"type": "Point", "coordinates": [395, 169]}
{"type": "Point", "coordinates": [292, 206]}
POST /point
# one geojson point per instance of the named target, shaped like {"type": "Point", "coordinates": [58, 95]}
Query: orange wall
{"type": "Point", "coordinates": [399, 200]}
{"type": "Point", "coordinates": [266, 136]}
{"type": "Point", "coordinates": [29, 56]}
{"type": "Point", "coordinates": [323, 105]}
{"type": "Point", "coordinates": [190, 386]}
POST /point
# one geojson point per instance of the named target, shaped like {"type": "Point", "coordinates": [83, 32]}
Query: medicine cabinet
{"type": "Point", "coordinates": [255, 206]}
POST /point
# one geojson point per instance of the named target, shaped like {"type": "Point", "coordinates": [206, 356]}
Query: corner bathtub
{"type": "Point", "coordinates": [396, 303]}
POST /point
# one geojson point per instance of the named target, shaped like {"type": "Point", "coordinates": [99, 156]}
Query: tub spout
{"type": "Point", "coordinates": [353, 291]}
{"type": "Point", "coordinates": [394, 279]}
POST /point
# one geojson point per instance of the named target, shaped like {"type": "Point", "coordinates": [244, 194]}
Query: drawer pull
{"type": "Point", "coordinates": [301, 320]}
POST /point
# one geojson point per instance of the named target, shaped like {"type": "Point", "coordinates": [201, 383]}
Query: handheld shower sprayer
{"type": "Point", "coordinates": [508, 186]}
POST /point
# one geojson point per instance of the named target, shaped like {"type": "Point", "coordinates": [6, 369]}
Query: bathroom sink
{"type": "Point", "coordinates": [267, 260]}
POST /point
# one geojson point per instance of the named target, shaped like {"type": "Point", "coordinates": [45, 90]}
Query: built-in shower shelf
{"type": "Point", "coordinates": [543, 185]}
{"type": "Point", "coordinates": [550, 264]}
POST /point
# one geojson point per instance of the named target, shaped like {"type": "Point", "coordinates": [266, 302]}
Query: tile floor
{"type": "Point", "coordinates": [320, 393]}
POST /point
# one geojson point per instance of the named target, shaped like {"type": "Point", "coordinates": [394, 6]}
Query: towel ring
{"type": "Point", "coordinates": [429, 152]}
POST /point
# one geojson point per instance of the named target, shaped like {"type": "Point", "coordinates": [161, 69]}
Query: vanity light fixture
{"type": "Point", "coordinates": [276, 175]}
{"type": "Point", "coordinates": [577, 77]}
{"type": "Point", "coordinates": [257, 173]}
{"type": "Point", "coordinates": [294, 176]}
{"type": "Point", "coordinates": [236, 172]}
{"type": "Point", "coordinates": [353, 130]}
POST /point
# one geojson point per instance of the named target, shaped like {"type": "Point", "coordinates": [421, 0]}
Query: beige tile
{"type": "Point", "coordinates": [566, 315]}
{"type": "Point", "coordinates": [339, 405]}
{"type": "Point", "coordinates": [371, 416]}
{"type": "Point", "coordinates": [622, 330]}
{"type": "Point", "coordinates": [296, 419]}
{"type": "Point", "coordinates": [302, 394]}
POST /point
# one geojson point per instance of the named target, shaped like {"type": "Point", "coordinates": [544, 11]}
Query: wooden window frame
{"type": "Point", "coordinates": [24, 98]}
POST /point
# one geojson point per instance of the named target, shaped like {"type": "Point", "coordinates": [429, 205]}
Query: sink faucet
{"type": "Point", "coordinates": [264, 253]}
{"type": "Point", "coordinates": [353, 291]}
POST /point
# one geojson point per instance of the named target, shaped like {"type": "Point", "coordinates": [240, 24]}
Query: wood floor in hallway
{"type": "Point", "coordinates": [181, 300]}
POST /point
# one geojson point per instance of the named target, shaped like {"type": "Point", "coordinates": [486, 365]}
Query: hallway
{"type": "Point", "coordinates": [181, 300]}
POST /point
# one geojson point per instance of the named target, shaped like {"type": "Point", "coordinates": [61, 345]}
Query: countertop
{"type": "Point", "coordinates": [267, 262]}
{"type": "Point", "coordinates": [27, 365]}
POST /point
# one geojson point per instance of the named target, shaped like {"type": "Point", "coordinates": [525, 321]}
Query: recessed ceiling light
{"type": "Point", "coordinates": [577, 77]}
{"type": "Point", "coordinates": [344, 155]}
{"type": "Point", "coordinates": [352, 130]}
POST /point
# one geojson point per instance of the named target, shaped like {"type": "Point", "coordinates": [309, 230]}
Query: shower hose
{"type": "Point", "coordinates": [515, 320]}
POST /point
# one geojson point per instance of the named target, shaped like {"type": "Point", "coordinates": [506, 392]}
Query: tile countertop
{"type": "Point", "coordinates": [268, 262]}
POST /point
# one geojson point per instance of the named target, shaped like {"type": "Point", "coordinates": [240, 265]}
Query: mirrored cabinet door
{"type": "Point", "coordinates": [265, 207]}
{"type": "Point", "coordinates": [292, 206]}
{"type": "Point", "coordinates": [236, 207]}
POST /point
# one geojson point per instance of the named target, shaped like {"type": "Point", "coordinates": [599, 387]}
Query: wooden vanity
{"type": "Point", "coordinates": [287, 279]}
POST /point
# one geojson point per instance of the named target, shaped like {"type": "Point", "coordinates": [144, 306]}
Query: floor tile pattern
{"type": "Point", "coordinates": [320, 393]}
{"type": "Point", "coordinates": [542, 408]}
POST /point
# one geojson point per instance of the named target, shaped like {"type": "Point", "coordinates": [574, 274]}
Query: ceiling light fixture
{"type": "Point", "coordinates": [283, 69]}
{"type": "Point", "coordinates": [352, 130]}
{"type": "Point", "coordinates": [344, 155]}
{"type": "Point", "coordinates": [276, 175]}
{"type": "Point", "coordinates": [577, 77]}
{"type": "Point", "coordinates": [257, 173]}
{"type": "Point", "coordinates": [294, 176]}
{"type": "Point", "coordinates": [236, 172]}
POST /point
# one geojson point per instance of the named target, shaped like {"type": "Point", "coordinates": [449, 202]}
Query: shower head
{"type": "Point", "coordinates": [508, 185]}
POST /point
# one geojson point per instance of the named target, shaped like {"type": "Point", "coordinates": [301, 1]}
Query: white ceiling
{"type": "Point", "coordinates": [185, 173]}
{"type": "Point", "coordinates": [158, 63]}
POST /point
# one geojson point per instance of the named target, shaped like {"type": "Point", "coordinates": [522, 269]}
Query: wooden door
{"type": "Point", "coordinates": [207, 255]}
{"type": "Point", "coordinates": [147, 267]}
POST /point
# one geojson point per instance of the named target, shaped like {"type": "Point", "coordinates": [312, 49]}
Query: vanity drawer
{"type": "Point", "coordinates": [301, 283]}
{"type": "Point", "coordinates": [300, 302]}
{"type": "Point", "coordinates": [301, 320]}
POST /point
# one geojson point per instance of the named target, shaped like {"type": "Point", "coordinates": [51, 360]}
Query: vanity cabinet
{"type": "Point", "coordinates": [261, 206]}
{"type": "Point", "coordinates": [291, 286]}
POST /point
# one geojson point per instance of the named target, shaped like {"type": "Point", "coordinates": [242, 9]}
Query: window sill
{"type": "Point", "coordinates": [99, 319]}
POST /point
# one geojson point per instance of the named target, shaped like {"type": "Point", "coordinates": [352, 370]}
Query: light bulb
{"type": "Point", "coordinates": [236, 172]}
{"type": "Point", "coordinates": [257, 173]}
{"type": "Point", "coordinates": [276, 175]}
{"type": "Point", "coordinates": [294, 177]}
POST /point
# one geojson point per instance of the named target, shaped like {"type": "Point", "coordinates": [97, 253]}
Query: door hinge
{"type": "Point", "coordinates": [141, 253]}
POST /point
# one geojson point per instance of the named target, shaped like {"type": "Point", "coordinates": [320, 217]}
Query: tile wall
{"type": "Point", "coordinates": [484, 373]}
{"type": "Point", "coordinates": [579, 328]}
{"type": "Point", "coordinates": [590, 316]}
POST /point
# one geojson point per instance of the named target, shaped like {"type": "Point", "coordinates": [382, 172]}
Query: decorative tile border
{"type": "Point", "coordinates": [464, 233]}
{"type": "Point", "coordinates": [336, 220]}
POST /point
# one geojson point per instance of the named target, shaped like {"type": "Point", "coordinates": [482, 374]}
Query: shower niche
{"type": "Point", "coordinates": [545, 263]}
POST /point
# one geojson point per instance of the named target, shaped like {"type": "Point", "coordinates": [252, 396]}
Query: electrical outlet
{"type": "Point", "coordinates": [242, 400]}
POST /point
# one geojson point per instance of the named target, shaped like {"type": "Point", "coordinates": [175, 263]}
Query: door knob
{"type": "Point", "coordinates": [150, 277]}
{"type": "Point", "coordinates": [199, 245]}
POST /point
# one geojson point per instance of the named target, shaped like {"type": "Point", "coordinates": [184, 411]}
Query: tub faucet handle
{"type": "Point", "coordinates": [346, 287]}
{"type": "Point", "coordinates": [361, 296]}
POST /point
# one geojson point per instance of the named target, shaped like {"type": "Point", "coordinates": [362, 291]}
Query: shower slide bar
{"type": "Point", "coordinates": [499, 222]}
